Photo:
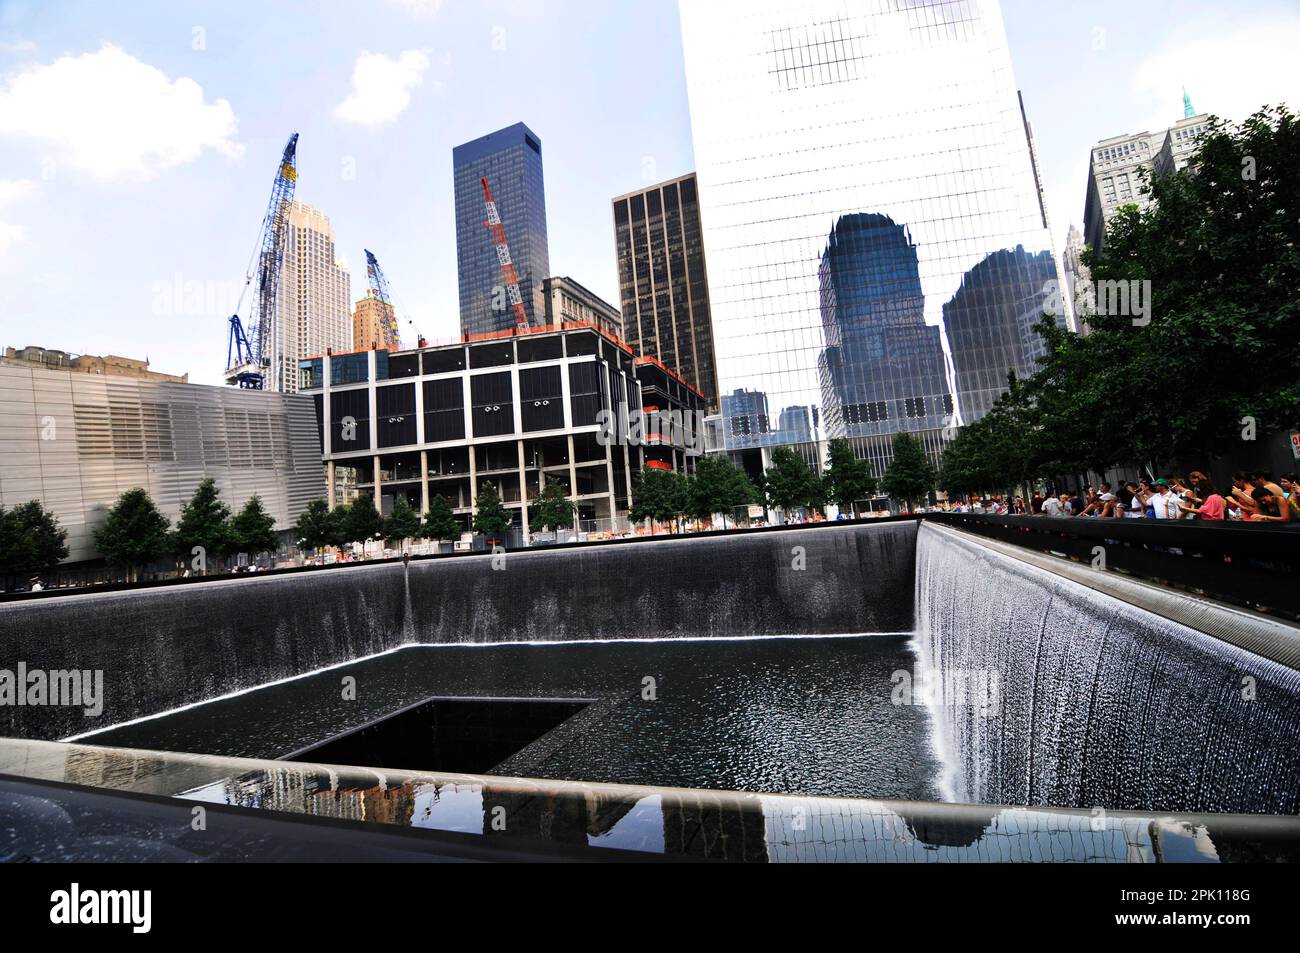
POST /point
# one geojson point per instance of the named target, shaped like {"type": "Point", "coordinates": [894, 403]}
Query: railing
{"type": "Point", "coordinates": [1249, 564]}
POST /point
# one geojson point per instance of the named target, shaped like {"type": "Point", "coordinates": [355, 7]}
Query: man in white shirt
{"type": "Point", "coordinates": [1163, 501]}
{"type": "Point", "coordinates": [1052, 507]}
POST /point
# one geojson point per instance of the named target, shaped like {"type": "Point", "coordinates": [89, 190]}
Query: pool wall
{"type": "Point", "coordinates": [163, 648]}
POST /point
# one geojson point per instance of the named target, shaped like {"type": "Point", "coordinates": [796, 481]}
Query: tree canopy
{"type": "Point", "coordinates": [252, 529]}
{"type": "Point", "coordinates": [910, 475]}
{"type": "Point", "coordinates": [31, 539]}
{"type": "Point", "coordinates": [790, 482]}
{"type": "Point", "coordinates": [1220, 245]}
{"type": "Point", "coordinates": [361, 522]}
{"type": "Point", "coordinates": [134, 534]}
{"type": "Point", "coordinates": [440, 522]}
{"type": "Point", "coordinates": [553, 510]}
{"type": "Point", "coordinates": [204, 522]}
{"type": "Point", "coordinates": [404, 523]}
{"type": "Point", "coordinates": [491, 518]}
{"type": "Point", "coordinates": [847, 479]}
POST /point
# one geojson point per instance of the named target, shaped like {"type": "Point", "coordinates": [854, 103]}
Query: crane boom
{"type": "Point", "coordinates": [249, 352]}
{"type": "Point", "coordinates": [379, 290]}
{"type": "Point", "coordinates": [511, 279]}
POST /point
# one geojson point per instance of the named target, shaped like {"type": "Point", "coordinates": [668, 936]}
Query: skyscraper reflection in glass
{"type": "Point", "coordinates": [857, 161]}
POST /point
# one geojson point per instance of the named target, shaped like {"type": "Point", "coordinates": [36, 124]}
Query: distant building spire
{"type": "Point", "coordinates": [1188, 111]}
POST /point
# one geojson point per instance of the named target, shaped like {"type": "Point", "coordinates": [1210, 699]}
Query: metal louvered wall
{"type": "Point", "coordinates": [77, 442]}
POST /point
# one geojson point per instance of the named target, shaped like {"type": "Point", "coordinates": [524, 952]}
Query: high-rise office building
{"type": "Point", "coordinates": [1121, 164]}
{"type": "Point", "coordinates": [369, 320]}
{"type": "Point", "coordinates": [569, 302]}
{"type": "Point", "coordinates": [1078, 279]}
{"type": "Point", "coordinates": [314, 307]}
{"type": "Point", "coordinates": [883, 368]}
{"type": "Point", "coordinates": [839, 144]}
{"type": "Point", "coordinates": [511, 160]}
{"type": "Point", "coordinates": [990, 323]}
{"type": "Point", "coordinates": [663, 284]}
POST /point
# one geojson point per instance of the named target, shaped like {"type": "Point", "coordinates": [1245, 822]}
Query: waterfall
{"type": "Point", "coordinates": [1098, 703]}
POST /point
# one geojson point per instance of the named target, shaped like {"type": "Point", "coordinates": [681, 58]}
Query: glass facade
{"type": "Point", "coordinates": [663, 288]}
{"type": "Point", "coordinates": [864, 173]}
{"type": "Point", "coordinates": [511, 159]}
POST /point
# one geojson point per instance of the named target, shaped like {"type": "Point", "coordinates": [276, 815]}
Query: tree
{"type": "Point", "coordinates": [134, 534]}
{"type": "Point", "coordinates": [31, 539]}
{"type": "Point", "coordinates": [252, 529]}
{"type": "Point", "coordinates": [719, 487]}
{"type": "Point", "coordinates": [440, 522]}
{"type": "Point", "coordinates": [847, 479]}
{"type": "Point", "coordinates": [790, 483]}
{"type": "Point", "coordinates": [361, 522]}
{"type": "Point", "coordinates": [491, 518]}
{"type": "Point", "coordinates": [910, 475]}
{"type": "Point", "coordinates": [318, 527]}
{"type": "Point", "coordinates": [655, 496]}
{"type": "Point", "coordinates": [553, 510]}
{"type": "Point", "coordinates": [205, 523]}
{"type": "Point", "coordinates": [403, 524]}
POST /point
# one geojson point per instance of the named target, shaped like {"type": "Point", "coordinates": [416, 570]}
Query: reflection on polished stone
{"type": "Point", "coordinates": [707, 825]}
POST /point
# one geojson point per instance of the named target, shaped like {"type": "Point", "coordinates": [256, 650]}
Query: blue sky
{"type": "Point", "coordinates": [137, 151]}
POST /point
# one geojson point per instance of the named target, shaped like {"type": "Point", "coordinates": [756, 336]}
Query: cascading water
{"type": "Point", "coordinates": [1096, 703]}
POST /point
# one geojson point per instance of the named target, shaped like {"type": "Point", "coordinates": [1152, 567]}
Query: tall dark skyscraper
{"type": "Point", "coordinates": [663, 288]}
{"type": "Point", "coordinates": [883, 369]}
{"type": "Point", "coordinates": [511, 158]}
{"type": "Point", "coordinates": [990, 323]}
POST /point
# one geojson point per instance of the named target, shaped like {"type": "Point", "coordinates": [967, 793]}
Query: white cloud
{"type": "Point", "coordinates": [381, 86]}
{"type": "Point", "coordinates": [11, 192]}
{"type": "Point", "coordinates": [113, 116]}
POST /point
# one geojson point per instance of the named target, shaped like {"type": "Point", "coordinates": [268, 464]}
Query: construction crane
{"type": "Point", "coordinates": [498, 231]}
{"type": "Point", "coordinates": [379, 290]}
{"type": "Point", "coordinates": [248, 353]}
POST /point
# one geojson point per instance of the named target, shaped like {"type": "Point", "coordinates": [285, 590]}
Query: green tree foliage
{"type": "Point", "coordinates": [491, 518]}
{"type": "Point", "coordinates": [1220, 246]}
{"type": "Point", "coordinates": [318, 527]}
{"type": "Point", "coordinates": [440, 522]}
{"type": "Point", "coordinates": [134, 534]}
{"type": "Point", "coordinates": [910, 475]}
{"type": "Point", "coordinates": [847, 479]}
{"type": "Point", "coordinates": [553, 510]}
{"type": "Point", "coordinates": [403, 524]}
{"type": "Point", "coordinates": [252, 529]}
{"type": "Point", "coordinates": [719, 487]}
{"type": "Point", "coordinates": [657, 495]}
{"type": "Point", "coordinates": [361, 522]}
{"type": "Point", "coordinates": [31, 539]}
{"type": "Point", "coordinates": [790, 483]}
{"type": "Point", "coordinates": [205, 522]}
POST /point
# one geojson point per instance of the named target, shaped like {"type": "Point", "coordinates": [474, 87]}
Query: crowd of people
{"type": "Point", "coordinates": [1253, 497]}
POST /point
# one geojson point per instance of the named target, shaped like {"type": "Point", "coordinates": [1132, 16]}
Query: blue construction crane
{"type": "Point", "coordinates": [248, 354]}
{"type": "Point", "coordinates": [379, 290]}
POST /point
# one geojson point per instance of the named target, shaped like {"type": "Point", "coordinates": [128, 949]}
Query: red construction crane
{"type": "Point", "coordinates": [498, 231]}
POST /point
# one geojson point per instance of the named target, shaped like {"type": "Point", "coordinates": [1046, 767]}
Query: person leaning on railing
{"type": "Point", "coordinates": [1271, 502]}
{"type": "Point", "coordinates": [1203, 500]}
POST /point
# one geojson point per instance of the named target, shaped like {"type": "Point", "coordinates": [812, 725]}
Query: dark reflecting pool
{"type": "Point", "coordinates": [807, 716]}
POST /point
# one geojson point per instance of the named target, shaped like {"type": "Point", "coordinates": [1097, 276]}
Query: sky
{"type": "Point", "coordinates": [138, 142]}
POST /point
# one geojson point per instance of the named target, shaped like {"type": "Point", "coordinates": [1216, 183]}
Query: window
{"type": "Point", "coordinates": [444, 410]}
{"type": "Point", "coordinates": [540, 399]}
{"type": "Point", "coordinates": [586, 393]}
{"type": "Point", "coordinates": [395, 423]}
{"type": "Point", "coordinates": [492, 405]}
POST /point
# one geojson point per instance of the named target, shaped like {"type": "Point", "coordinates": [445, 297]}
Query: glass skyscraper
{"type": "Point", "coordinates": [857, 160]}
{"type": "Point", "coordinates": [511, 158]}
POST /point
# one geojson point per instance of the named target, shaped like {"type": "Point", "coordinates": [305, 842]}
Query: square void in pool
{"type": "Point", "coordinates": [452, 735]}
